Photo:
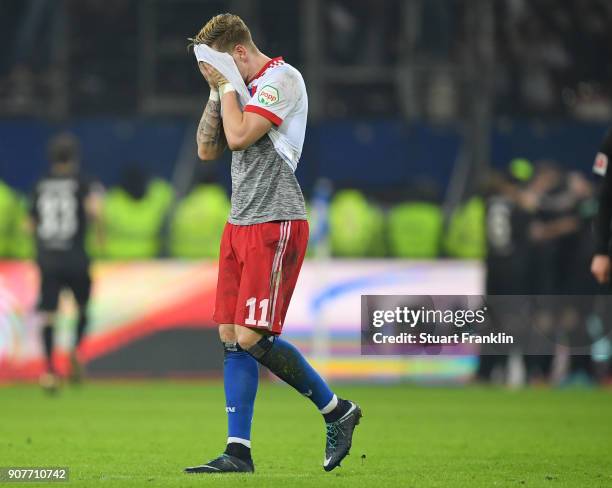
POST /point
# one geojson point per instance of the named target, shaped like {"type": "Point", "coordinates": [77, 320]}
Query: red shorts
{"type": "Point", "coordinates": [258, 268]}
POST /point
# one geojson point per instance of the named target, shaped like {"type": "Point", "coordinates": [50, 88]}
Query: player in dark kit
{"type": "Point", "coordinates": [62, 203]}
{"type": "Point", "coordinates": [600, 266]}
{"type": "Point", "coordinates": [507, 262]}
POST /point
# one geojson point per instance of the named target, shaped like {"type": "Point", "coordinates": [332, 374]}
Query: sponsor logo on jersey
{"type": "Point", "coordinates": [601, 164]}
{"type": "Point", "coordinates": [268, 95]}
{"type": "Point", "coordinates": [230, 409]}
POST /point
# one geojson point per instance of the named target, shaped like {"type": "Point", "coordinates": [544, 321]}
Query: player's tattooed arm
{"type": "Point", "coordinates": [242, 129]}
{"type": "Point", "coordinates": [210, 136]}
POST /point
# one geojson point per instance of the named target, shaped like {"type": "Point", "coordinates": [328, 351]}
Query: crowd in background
{"type": "Point", "coordinates": [90, 56]}
{"type": "Point", "coordinates": [143, 219]}
{"type": "Point", "coordinates": [531, 223]}
{"type": "Point", "coordinates": [553, 55]}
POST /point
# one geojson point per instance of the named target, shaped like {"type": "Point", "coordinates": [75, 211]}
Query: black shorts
{"type": "Point", "coordinates": [55, 279]}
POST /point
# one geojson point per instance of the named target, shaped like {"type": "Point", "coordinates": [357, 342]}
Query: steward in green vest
{"type": "Point", "coordinates": [21, 245]}
{"type": "Point", "coordinates": [466, 236]}
{"type": "Point", "coordinates": [8, 201]}
{"type": "Point", "coordinates": [134, 214]}
{"type": "Point", "coordinates": [355, 227]}
{"type": "Point", "coordinates": [415, 230]}
{"type": "Point", "coordinates": [198, 222]}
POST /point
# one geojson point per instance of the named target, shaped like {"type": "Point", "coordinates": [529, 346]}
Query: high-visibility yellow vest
{"type": "Point", "coordinates": [22, 245]}
{"type": "Point", "coordinates": [7, 218]}
{"type": "Point", "coordinates": [415, 230]}
{"type": "Point", "coordinates": [355, 227]}
{"type": "Point", "coordinates": [197, 225]}
{"type": "Point", "coordinates": [132, 227]}
{"type": "Point", "coordinates": [466, 236]}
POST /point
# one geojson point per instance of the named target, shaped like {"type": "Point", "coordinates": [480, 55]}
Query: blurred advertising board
{"type": "Point", "coordinates": [155, 318]}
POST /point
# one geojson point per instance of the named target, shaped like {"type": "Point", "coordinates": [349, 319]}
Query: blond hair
{"type": "Point", "coordinates": [223, 32]}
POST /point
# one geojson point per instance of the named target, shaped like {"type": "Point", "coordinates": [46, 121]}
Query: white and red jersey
{"type": "Point", "coordinates": [278, 93]}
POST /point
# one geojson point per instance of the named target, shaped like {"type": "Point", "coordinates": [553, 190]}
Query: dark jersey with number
{"type": "Point", "coordinates": [58, 209]}
{"type": "Point", "coordinates": [507, 247]}
{"type": "Point", "coordinates": [603, 220]}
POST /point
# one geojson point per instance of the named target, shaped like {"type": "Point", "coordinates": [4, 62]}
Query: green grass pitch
{"type": "Point", "coordinates": [143, 434]}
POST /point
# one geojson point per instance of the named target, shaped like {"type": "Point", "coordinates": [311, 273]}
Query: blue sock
{"type": "Point", "coordinates": [240, 378]}
{"type": "Point", "coordinates": [286, 362]}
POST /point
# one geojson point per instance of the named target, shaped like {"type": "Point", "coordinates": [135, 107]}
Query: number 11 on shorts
{"type": "Point", "coordinates": [263, 305]}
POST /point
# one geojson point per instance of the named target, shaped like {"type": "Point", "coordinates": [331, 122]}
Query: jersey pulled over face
{"type": "Point", "coordinates": [264, 186]}
{"type": "Point", "coordinates": [58, 210]}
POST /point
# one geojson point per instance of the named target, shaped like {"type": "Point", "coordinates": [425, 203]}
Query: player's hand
{"type": "Point", "coordinates": [202, 67]}
{"type": "Point", "coordinates": [600, 267]}
{"type": "Point", "coordinates": [214, 78]}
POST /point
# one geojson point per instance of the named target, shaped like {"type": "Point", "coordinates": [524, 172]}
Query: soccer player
{"type": "Point", "coordinates": [600, 266]}
{"type": "Point", "coordinates": [62, 202]}
{"type": "Point", "coordinates": [507, 223]}
{"type": "Point", "coordinates": [264, 241]}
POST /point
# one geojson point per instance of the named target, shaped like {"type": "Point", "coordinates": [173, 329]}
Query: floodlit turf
{"type": "Point", "coordinates": [143, 434]}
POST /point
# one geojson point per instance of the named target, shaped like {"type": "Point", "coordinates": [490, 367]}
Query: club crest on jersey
{"type": "Point", "coordinates": [601, 164]}
{"type": "Point", "coordinates": [268, 95]}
